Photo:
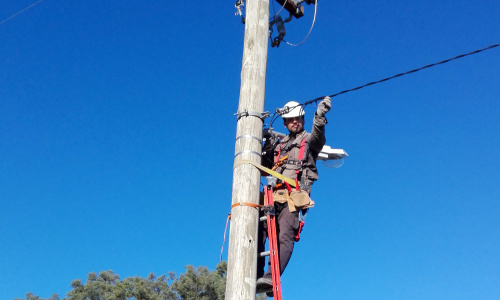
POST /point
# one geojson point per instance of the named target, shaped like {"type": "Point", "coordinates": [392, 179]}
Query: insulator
{"type": "Point", "coordinates": [280, 25]}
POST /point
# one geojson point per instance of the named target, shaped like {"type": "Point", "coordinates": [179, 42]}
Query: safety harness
{"type": "Point", "coordinates": [268, 209]}
{"type": "Point", "coordinates": [299, 163]}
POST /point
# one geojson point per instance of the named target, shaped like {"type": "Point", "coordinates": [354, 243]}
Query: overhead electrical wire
{"type": "Point", "coordinates": [21, 11]}
{"type": "Point", "coordinates": [277, 13]}
{"type": "Point", "coordinates": [397, 75]}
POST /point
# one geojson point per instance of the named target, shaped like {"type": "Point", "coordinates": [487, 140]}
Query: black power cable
{"type": "Point", "coordinates": [400, 74]}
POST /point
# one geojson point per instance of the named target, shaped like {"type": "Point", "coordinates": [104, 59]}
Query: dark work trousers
{"type": "Point", "coordinates": [286, 228]}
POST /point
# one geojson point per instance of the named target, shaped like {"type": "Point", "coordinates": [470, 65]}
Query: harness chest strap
{"type": "Point", "coordinates": [277, 158]}
{"type": "Point", "coordinates": [301, 152]}
{"type": "Point", "coordinates": [300, 157]}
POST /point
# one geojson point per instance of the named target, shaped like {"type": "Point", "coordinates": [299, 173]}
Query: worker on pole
{"type": "Point", "coordinates": [294, 157]}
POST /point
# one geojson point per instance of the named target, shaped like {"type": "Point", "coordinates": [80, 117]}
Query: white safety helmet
{"type": "Point", "coordinates": [292, 109]}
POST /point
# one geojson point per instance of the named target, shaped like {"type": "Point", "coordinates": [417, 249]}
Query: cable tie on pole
{"type": "Point", "coordinates": [249, 136]}
{"type": "Point", "coordinates": [247, 151]}
{"type": "Point", "coordinates": [246, 204]}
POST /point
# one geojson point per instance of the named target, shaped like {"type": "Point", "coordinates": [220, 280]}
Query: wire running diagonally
{"type": "Point", "coordinates": [277, 13]}
{"type": "Point", "coordinates": [402, 74]}
{"type": "Point", "coordinates": [21, 11]}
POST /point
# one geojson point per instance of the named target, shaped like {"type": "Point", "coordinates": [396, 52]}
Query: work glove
{"type": "Point", "coordinates": [324, 106]}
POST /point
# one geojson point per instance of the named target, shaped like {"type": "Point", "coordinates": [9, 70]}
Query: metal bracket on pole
{"type": "Point", "coordinates": [246, 113]}
{"type": "Point", "coordinates": [239, 7]}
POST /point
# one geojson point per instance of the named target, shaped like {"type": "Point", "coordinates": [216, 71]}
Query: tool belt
{"type": "Point", "coordinates": [296, 200]}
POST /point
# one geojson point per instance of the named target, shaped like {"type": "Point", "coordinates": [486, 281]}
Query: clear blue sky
{"type": "Point", "coordinates": [117, 141]}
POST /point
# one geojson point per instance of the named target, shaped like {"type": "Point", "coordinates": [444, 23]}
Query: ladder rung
{"type": "Point", "coordinates": [265, 253]}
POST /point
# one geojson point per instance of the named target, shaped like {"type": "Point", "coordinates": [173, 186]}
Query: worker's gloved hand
{"type": "Point", "coordinates": [324, 106]}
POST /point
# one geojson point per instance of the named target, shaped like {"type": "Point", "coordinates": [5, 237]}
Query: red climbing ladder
{"type": "Point", "coordinates": [273, 242]}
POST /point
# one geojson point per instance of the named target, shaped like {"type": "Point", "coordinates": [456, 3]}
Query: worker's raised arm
{"type": "Point", "coordinates": [317, 137]}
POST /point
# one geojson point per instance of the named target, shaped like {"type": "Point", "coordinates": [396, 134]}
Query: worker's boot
{"type": "Point", "coordinates": [264, 285]}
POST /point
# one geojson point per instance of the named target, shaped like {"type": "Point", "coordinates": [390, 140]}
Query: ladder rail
{"type": "Point", "coordinates": [273, 244]}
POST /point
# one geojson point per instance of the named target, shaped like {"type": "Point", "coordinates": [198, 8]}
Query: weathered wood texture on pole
{"type": "Point", "coordinates": [242, 253]}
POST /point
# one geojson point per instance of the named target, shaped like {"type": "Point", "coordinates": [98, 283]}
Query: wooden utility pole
{"type": "Point", "coordinates": [242, 253]}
